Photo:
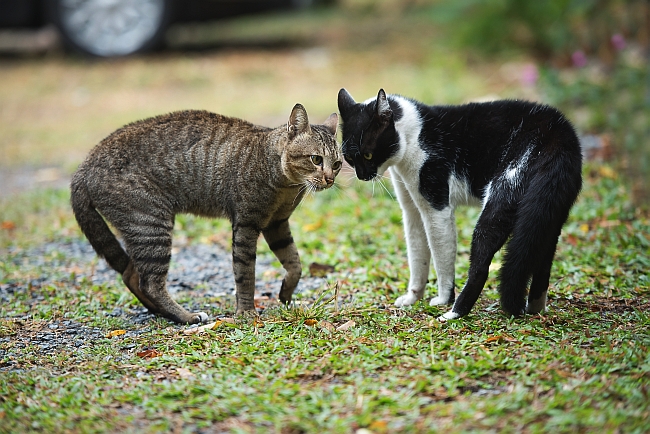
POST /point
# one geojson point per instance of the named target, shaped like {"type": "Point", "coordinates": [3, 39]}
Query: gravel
{"type": "Point", "coordinates": [199, 270]}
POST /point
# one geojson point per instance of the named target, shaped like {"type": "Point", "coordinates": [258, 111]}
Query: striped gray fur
{"type": "Point", "coordinates": [142, 175]}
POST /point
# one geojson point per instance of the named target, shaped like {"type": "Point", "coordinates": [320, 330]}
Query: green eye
{"type": "Point", "coordinates": [336, 165]}
{"type": "Point", "coordinates": [368, 155]}
{"type": "Point", "coordinates": [317, 160]}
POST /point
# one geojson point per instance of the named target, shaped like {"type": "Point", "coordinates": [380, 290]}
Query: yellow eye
{"type": "Point", "coordinates": [368, 155]}
{"type": "Point", "coordinates": [317, 160]}
{"type": "Point", "coordinates": [336, 165]}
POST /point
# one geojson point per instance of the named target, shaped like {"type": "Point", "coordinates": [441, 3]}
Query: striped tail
{"type": "Point", "coordinates": [95, 228]}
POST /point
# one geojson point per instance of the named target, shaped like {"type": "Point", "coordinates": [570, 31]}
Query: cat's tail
{"type": "Point", "coordinates": [94, 227]}
{"type": "Point", "coordinates": [542, 211]}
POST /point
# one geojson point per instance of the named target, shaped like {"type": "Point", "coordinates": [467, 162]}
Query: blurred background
{"type": "Point", "coordinates": [72, 71]}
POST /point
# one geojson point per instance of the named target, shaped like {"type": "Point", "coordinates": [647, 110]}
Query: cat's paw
{"type": "Point", "coordinates": [407, 299]}
{"type": "Point", "coordinates": [198, 318]}
{"type": "Point", "coordinates": [440, 301]}
{"type": "Point", "coordinates": [449, 315]}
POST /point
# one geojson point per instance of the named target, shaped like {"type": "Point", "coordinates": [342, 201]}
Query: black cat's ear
{"type": "Point", "coordinates": [298, 121]}
{"type": "Point", "coordinates": [345, 100]}
{"type": "Point", "coordinates": [332, 123]}
{"type": "Point", "coordinates": [383, 108]}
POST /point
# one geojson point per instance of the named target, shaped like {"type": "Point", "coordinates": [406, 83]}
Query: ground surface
{"type": "Point", "coordinates": [79, 354]}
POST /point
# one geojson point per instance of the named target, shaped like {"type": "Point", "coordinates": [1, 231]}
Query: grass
{"type": "Point", "coordinates": [343, 359]}
{"type": "Point", "coordinates": [581, 366]}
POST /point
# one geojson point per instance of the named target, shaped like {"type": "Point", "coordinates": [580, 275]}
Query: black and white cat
{"type": "Point", "coordinates": [520, 161]}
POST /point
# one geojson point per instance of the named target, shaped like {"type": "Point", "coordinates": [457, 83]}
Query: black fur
{"type": "Point", "coordinates": [481, 144]}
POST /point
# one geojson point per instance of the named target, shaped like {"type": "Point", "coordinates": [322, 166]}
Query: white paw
{"type": "Point", "coordinates": [202, 316]}
{"type": "Point", "coordinates": [407, 299]}
{"type": "Point", "coordinates": [438, 301]}
{"type": "Point", "coordinates": [449, 315]}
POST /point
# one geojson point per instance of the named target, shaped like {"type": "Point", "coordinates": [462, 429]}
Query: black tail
{"type": "Point", "coordinates": [95, 228]}
{"type": "Point", "coordinates": [542, 212]}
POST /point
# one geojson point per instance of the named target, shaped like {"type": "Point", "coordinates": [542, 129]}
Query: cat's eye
{"type": "Point", "coordinates": [368, 155]}
{"type": "Point", "coordinates": [336, 165]}
{"type": "Point", "coordinates": [317, 160]}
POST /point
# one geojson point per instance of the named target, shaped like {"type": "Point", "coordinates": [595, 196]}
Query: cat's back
{"type": "Point", "coordinates": [170, 134]}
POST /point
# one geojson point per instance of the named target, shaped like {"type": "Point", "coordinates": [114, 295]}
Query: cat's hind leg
{"type": "Point", "coordinates": [492, 230]}
{"type": "Point", "coordinates": [148, 242]}
{"type": "Point", "coordinates": [278, 236]}
{"type": "Point", "coordinates": [537, 294]}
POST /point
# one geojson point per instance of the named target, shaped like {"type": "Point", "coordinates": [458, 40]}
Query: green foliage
{"type": "Point", "coordinates": [613, 103]}
{"type": "Point", "coordinates": [580, 366]}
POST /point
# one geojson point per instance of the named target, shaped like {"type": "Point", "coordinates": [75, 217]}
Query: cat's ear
{"type": "Point", "coordinates": [345, 100]}
{"type": "Point", "coordinates": [383, 108]}
{"type": "Point", "coordinates": [298, 121]}
{"type": "Point", "coordinates": [332, 123]}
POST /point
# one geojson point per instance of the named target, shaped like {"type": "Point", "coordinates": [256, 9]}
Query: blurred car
{"type": "Point", "coordinates": [109, 28]}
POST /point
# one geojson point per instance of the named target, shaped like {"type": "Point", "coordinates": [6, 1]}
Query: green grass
{"type": "Point", "coordinates": [580, 367]}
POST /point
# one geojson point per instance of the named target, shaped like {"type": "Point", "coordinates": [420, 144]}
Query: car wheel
{"type": "Point", "coordinates": [111, 28]}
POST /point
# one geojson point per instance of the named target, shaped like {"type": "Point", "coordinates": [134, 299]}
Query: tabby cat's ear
{"type": "Point", "coordinates": [298, 121]}
{"type": "Point", "coordinates": [383, 108]}
{"type": "Point", "coordinates": [345, 100]}
{"type": "Point", "coordinates": [332, 123]}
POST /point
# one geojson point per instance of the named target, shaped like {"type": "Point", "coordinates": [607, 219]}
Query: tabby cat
{"type": "Point", "coordinates": [520, 161]}
{"type": "Point", "coordinates": [142, 175]}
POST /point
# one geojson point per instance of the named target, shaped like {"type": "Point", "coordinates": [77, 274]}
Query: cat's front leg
{"type": "Point", "coordinates": [244, 246]}
{"type": "Point", "coordinates": [278, 236]}
{"type": "Point", "coordinates": [441, 233]}
{"type": "Point", "coordinates": [419, 256]}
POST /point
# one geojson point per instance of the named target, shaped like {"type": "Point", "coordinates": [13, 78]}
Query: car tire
{"type": "Point", "coordinates": [111, 28]}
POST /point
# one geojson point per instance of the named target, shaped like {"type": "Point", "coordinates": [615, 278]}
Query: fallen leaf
{"type": "Point", "coordinates": [312, 226]}
{"type": "Point", "coordinates": [114, 333]}
{"type": "Point", "coordinates": [8, 225]}
{"type": "Point", "coordinates": [584, 227]}
{"type": "Point", "coordinates": [572, 239]}
{"type": "Point", "coordinates": [199, 329]}
{"type": "Point", "coordinates": [238, 361]}
{"type": "Point", "coordinates": [378, 425]}
{"type": "Point", "coordinates": [494, 339]}
{"type": "Point", "coordinates": [258, 323]}
{"type": "Point", "coordinates": [149, 354]}
{"type": "Point", "coordinates": [327, 325]}
{"type": "Point", "coordinates": [606, 172]}
{"type": "Point", "coordinates": [184, 373]}
{"type": "Point", "coordinates": [310, 322]}
{"type": "Point", "coordinates": [320, 270]}
{"type": "Point", "coordinates": [346, 326]}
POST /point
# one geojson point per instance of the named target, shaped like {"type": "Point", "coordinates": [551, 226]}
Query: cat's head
{"type": "Point", "coordinates": [369, 135]}
{"type": "Point", "coordinates": [311, 157]}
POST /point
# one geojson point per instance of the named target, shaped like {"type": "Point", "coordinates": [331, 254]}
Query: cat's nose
{"type": "Point", "coordinates": [329, 181]}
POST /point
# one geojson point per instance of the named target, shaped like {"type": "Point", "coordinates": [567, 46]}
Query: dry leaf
{"type": "Point", "coordinates": [238, 361]}
{"type": "Point", "coordinates": [312, 226]}
{"type": "Point", "coordinates": [327, 326]}
{"type": "Point", "coordinates": [494, 339]}
{"type": "Point", "coordinates": [346, 326]}
{"type": "Point", "coordinates": [378, 425]}
{"type": "Point", "coordinates": [114, 333]}
{"type": "Point", "coordinates": [149, 354]}
{"type": "Point", "coordinates": [194, 330]}
{"type": "Point", "coordinates": [320, 270]}
{"type": "Point", "coordinates": [184, 373]}
{"type": "Point", "coordinates": [310, 322]}
{"type": "Point", "coordinates": [8, 225]}
{"type": "Point", "coordinates": [258, 323]}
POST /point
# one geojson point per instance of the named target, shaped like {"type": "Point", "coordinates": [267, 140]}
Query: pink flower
{"type": "Point", "coordinates": [579, 59]}
{"type": "Point", "coordinates": [529, 74]}
{"type": "Point", "coordinates": [618, 41]}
